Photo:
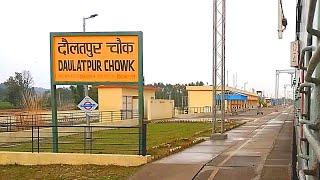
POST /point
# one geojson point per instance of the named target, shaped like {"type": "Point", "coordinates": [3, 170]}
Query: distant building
{"type": "Point", "coordinates": [125, 99]}
{"type": "Point", "coordinates": [235, 99]}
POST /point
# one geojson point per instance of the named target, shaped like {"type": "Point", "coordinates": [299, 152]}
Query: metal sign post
{"type": "Point", "coordinates": [88, 105]}
{"type": "Point", "coordinates": [97, 58]}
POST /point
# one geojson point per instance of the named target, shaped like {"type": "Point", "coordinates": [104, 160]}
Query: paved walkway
{"type": "Point", "coordinates": [260, 149]}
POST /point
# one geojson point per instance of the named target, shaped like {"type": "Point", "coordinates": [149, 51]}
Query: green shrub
{"type": "Point", "coordinates": [6, 105]}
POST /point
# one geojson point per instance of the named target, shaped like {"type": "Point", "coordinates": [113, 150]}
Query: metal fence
{"type": "Point", "coordinates": [73, 139]}
{"type": "Point", "coordinates": [192, 110]}
{"type": "Point", "coordinates": [23, 121]}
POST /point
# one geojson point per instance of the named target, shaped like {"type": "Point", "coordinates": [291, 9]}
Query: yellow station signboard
{"type": "Point", "coordinates": [95, 58]}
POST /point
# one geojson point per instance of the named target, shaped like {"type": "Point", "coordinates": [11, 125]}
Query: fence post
{"type": "Point", "coordinates": [112, 116]}
{"type": "Point", "coordinates": [38, 140]}
{"type": "Point", "coordinates": [84, 140]}
{"type": "Point", "coordinates": [32, 120]}
{"type": "Point", "coordinates": [7, 125]}
{"type": "Point", "coordinates": [144, 139]}
{"type": "Point", "coordinates": [10, 123]}
{"type": "Point", "coordinates": [21, 120]}
{"type": "Point", "coordinates": [32, 139]}
{"type": "Point", "coordinates": [91, 139]}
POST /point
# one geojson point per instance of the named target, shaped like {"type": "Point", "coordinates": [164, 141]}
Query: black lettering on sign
{"type": "Point", "coordinates": [79, 65]}
{"type": "Point", "coordinates": [88, 65]}
{"type": "Point", "coordinates": [130, 65]}
{"type": "Point", "coordinates": [66, 65]}
{"type": "Point", "coordinates": [120, 47]}
{"type": "Point", "coordinates": [99, 65]}
{"type": "Point", "coordinates": [89, 49]}
{"type": "Point", "coordinates": [119, 65]}
{"type": "Point", "coordinates": [60, 65]}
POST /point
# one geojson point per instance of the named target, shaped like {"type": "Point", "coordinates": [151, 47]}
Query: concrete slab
{"type": "Point", "coordinates": [217, 160]}
{"type": "Point", "coordinates": [205, 173]}
{"type": "Point", "coordinates": [275, 173]}
{"type": "Point", "coordinates": [218, 143]}
{"type": "Point", "coordinates": [277, 162]}
{"type": "Point", "coordinates": [251, 151]}
{"type": "Point", "coordinates": [243, 161]}
{"type": "Point", "coordinates": [236, 173]}
{"type": "Point", "coordinates": [279, 155]}
{"type": "Point", "coordinates": [187, 158]}
{"type": "Point", "coordinates": [205, 149]}
{"type": "Point", "coordinates": [156, 171]}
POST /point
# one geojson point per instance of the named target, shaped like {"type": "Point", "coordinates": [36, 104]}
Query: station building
{"type": "Point", "coordinates": [124, 100]}
{"type": "Point", "coordinates": [235, 99]}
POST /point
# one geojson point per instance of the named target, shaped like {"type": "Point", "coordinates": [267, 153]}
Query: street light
{"type": "Point", "coordinates": [84, 30]}
{"type": "Point", "coordinates": [84, 20]}
{"type": "Point", "coordinates": [93, 15]}
{"type": "Point", "coordinates": [86, 92]}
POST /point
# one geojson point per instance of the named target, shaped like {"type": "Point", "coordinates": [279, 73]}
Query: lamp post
{"type": "Point", "coordinates": [244, 86]}
{"type": "Point", "coordinates": [84, 30]}
{"type": "Point", "coordinates": [85, 87]}
{"type": "Point", "coordinates": [84, 20]}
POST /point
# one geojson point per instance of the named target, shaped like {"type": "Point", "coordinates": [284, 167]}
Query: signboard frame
{"type": "Point", "coordinates": [140, 83]}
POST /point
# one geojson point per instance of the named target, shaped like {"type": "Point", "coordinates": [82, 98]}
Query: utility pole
{"type": "Point", "coordinates": [236, 80]}
{"type": "Point", "coordinates": [233, 81]}
{"type": "Point", "coordinates": [227, 78]}
{"type": "Point", "coordinates": [285, 93]}
{"type": "Point", "coordinates": [244, 86]}
{"type": "Point", "coordinates": [218, 69]}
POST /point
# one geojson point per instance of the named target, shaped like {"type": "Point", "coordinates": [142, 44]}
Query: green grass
{"type": "Point", "coordinates": [161, 137]}
{"type": "Point", "coordinates": [125, 141]}
{"type": "Point", "coordinates": [6, 105]}
{"type": "Point", "coordinates": [15, 172]}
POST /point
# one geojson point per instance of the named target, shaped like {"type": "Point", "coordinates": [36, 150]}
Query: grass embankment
{"type": "Point", "coordinates": [16, 172]}
{"type": "Point", "coordinates": [162, 139]}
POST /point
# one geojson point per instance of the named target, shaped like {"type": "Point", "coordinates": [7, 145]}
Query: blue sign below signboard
{"type": "Point", "coordinates": [87, 104]}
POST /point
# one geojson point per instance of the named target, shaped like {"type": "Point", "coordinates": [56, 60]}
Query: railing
{"type": "Point", "coordinates": [9, 123]}
{"type": "Point", "coordinates": [307, 125]}
{"type": "Point", "coordinates": [193, 110]}
{"type": "Point", "coordinates": [73, 139]}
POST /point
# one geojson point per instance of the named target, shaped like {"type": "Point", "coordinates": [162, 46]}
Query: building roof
{"type": "Point", "coordinates": [230, 89]}
{"type": "Point", "coordinates": [233, 96]}
{"type": "Point", "coordinates": [127, 87]}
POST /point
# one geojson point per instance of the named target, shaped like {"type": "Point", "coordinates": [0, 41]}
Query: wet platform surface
{"type": "Point", "coordinates": [260, 149]}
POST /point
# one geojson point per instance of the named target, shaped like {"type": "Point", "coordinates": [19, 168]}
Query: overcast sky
{"type": "Point", "coordinates": [177, 37]}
